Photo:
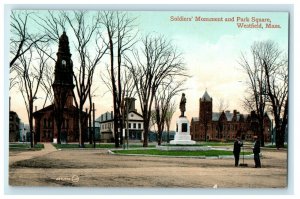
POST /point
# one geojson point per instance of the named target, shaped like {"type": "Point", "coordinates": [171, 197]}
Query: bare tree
{"type": "Point", "coordinates": [22, 40]}
{"type": "Point", "coordinates": [222, 105]}
{"type": "Point", "coordinates": [156, 61]}
{"type": "Point", "coordinates": [87, 34]}
{"type": "Point", "coordinates": [127, 88]}
{"type": "Point", "coordinates": [165, 93]}
{"type": "Point", "coordinates": [275, 64]}
{"type": "Point", "coordinates": [46, 84]}
{"type": "Point", "coordinates": [267, 85]}
{"type": "Point", "coordinates": [53, 24]}
{"type": "Point", "coordinates": [30, 69]}
{"type": "Point", "coordinates": [256, 89]}
{"type": "Point", "coordinates": [121, 33]}
{"type": "Point", "coordinates": [170, 112]}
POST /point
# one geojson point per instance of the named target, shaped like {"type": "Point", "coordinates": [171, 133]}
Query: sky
{"type": "Point", "coordinates": [211, 51]}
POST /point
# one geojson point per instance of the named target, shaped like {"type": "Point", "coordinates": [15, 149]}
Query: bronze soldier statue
{"type": "Point", "coordinates": [182, 105]}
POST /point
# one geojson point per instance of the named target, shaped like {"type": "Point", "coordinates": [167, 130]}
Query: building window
{"type": "Point", "coordinates": [140, 125]}
{"type": "Point", "coordinates": [129, 125]}
{"type": "Point", "coordinates": [134, 125]}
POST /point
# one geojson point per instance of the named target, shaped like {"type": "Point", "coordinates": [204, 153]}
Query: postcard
{"type": "Point", "coordinates": [148, 99]}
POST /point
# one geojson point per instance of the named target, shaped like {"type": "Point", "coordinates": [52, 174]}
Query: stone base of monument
{"type": "Point", "coordinates": [182, 135]}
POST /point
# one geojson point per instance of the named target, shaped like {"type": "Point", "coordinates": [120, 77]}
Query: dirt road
{"type": "Point", "coordinates": [98, 168]}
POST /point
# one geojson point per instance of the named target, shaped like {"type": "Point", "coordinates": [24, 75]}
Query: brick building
{"type": "Point", "coordinates": [45, 122]}
{"type": "Point", "coordinates": [14, 129]}
{"type": "Point", "coordinates": [225, 125]}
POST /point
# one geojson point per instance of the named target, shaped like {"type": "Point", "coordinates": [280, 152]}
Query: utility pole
{"type": "Point", "coordinates": [127, 134]}
{"type": "Point", "coordinates": [94, 125]}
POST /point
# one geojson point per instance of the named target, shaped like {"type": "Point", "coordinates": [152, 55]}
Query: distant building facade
{"type": "Point", "coordinates": [216, 126]}
{"type": "Point", "coordinates": [14, 127]}
{"type": "Point", "coordinates": [135, 123]}
{"type": "Point", "coordinates": [24, 132]}
{"type": "Point", "coordinates": [45, 123]}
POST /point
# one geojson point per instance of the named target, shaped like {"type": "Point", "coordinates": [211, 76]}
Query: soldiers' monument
{"type": "Point", "coordinates": [182, 135]}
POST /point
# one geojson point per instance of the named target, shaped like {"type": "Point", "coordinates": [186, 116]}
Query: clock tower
{"type": "Point", "coordinates": [63, 74]}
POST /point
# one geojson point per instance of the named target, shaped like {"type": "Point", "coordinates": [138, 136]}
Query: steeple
{"type": "Point", "coordinates": [63, 74]}
{"type": "Point", "coordinates": [206, 97]}
{"type": "Point", "coordinates": [64, 44]}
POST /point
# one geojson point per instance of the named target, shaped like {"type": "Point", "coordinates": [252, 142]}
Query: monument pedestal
{"type": "Point", "coordinates": [182, 135]}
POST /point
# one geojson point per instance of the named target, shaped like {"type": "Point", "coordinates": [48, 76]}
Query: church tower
{"type": "Point", "coordinates": [63, 82]}
{"type": "Point", "coordinates": [205, 112]}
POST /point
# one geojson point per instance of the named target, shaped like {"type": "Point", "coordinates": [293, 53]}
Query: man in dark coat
{"type": "Point", "coordinates": [236, 150]}
{"type": "Point", "coordinates": [256, 151]}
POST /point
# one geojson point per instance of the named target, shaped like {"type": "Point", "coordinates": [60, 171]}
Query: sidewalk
{"type": "Point", "coordinates": [48, 148]}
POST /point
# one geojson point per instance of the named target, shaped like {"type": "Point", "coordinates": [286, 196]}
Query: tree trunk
{"type": "Point", "coordinates": [32, 140]}
{"type": "Point", "coordinates": [261, 133]}
{"type": "Point", "coordinates": [116, 126]}
{"type": "Point", "coordinates": [90, 129]}
{"type": "Point", "coordinates": [58, 126]}
{"type": "Point", "coordinates": [146, 132]}
{"type": "Point", "coordinates": [280, 137]}
{"type": "Point", "coordinates": [81, 137]}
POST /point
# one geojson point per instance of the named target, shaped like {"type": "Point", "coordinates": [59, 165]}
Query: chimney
{"type": "Point", "coordinates": [234, 112]}
{"type": "Point", "coordinates": [130, 102]}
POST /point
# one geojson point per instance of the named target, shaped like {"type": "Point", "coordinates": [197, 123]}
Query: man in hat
{"type": "Point", "coordinates": [256, 151]}
{"type": "Point", "coordinates": [236, 150]}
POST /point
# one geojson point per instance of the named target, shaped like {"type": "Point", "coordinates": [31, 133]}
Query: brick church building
{"type": "Point", "coordinates": [45, 119]}
{"type": "Point", "coordinates": [224, 126]}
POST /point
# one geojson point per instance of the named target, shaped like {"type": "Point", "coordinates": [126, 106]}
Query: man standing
{"type": "Point", "coordinates": [256, 151]}
{"type": "Point", "coordinates": [236, 150]}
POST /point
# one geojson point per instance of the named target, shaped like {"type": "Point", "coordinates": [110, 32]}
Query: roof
{"type": "Point", "coordinates": [108, 116]}
{"type": "Point", "coordinates": [229, 116]}
{"type": "Point", "coordinates": [206, 97]}
{"type": "Point", "coordinates": [51, 108]}
{"type": "Point", "coordinates": [216, 116]}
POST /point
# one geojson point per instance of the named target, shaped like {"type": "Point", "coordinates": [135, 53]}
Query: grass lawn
{"type": "Point", "coordinates": [25, 147]}
{"type": "Point", "coordinates": [274, 146]}
{"type": "Point", "coordinates": [202, 144]}
{"type": "Point", "coordinates": [90, 146]}
{"type": "Point", "coordinates": [178, 153]}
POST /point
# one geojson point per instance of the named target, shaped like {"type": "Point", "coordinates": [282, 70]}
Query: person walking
{"type": "Point", "coordinates": [236, 150]}
{"type": "Point", "coordinates": [256, 151]}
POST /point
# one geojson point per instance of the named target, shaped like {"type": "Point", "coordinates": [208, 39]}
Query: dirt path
{"type": "Point", "coordinates": [100, 169]}
{"type": "Point", "coordinates": [48, 148]}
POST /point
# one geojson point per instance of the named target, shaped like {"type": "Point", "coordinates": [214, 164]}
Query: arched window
{"type": "Point", "coordinates": [64, 63]}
